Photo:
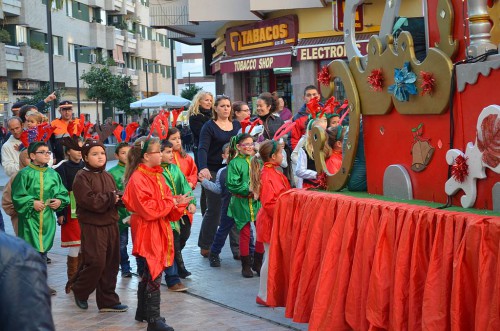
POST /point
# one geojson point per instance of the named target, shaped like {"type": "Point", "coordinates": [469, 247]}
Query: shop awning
{"type": "Point", "coordinates": [215, 65]}
{"type": "Point", "coordinates": [328, 47]}
{"type": "Point", "coordinates": [256, 62]}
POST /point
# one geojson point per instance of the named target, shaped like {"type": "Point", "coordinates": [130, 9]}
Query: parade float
{"type": "Point", "coordinates": [419, 250]}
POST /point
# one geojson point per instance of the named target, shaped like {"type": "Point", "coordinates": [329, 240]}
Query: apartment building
{"type": "Point", "coordinates": [113, 32]}
{"type": "Point", "coordinates": [190, 68]}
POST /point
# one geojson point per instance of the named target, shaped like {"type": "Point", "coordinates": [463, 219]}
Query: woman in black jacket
{"type": "Point", "coordinates": [266, 108]}
{"type": "Point", "coordinates": [199, 113]}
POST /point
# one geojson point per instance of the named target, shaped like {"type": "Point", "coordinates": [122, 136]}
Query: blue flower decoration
{"type": "Point", "coordinates": [404, 83]}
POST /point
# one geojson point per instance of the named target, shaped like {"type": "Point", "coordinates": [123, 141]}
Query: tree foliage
{"type": "Point", "coordinates": [190, 91]}
{"type": "Point", "coordinates": [104, 86]}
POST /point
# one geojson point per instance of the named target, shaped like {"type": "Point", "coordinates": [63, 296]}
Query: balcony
{"type": "Point", "coordinates": [99, 35]}
{"type": "Point", "coordinates": [13, 58]}
{"type": "Point", "coordinates": [130, 6]}
{"type": "Point", "coordinates": [11, 7]}
{"type": "Point", "coordinates": [133, 76]}
{"type": "Point", "coordinates": [193, 22]}
{"type": "Point", "coordinates": [130, 43]}
{"type": "Point", "coordinates": [117, 70]}
{"type": "Point", "coordinates": [119, 38]}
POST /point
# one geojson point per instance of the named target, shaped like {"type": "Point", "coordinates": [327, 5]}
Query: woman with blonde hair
{"type": "Point", "coordinates": [200, 112]}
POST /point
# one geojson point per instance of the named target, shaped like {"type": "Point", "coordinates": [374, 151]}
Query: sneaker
{"type": "Point", "coordinates": [52, 291]}
{"type": "Point", "coordinates": [214, 260]}
{"type": "Point", "coordinates": [115, 309]}
{"type": "Point", "coordinates": [127, 274]}
{"type": "Point", "coordinates": [179, 287]}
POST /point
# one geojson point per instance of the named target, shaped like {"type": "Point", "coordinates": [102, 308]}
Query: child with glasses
{"type": "Point", "coordinates": [38, 191]}
{"type": "Point", "coordinates": [243, 206]}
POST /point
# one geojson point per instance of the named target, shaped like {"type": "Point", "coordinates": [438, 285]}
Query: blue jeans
{"type": "Point", "coordinates": [172, 275]}
{"type": "Point", "coordinates": [2, 225]}
{"type": "Point", "coordinates": [226, 224]}
{"type": "Point", "coordinates": [124, 262]}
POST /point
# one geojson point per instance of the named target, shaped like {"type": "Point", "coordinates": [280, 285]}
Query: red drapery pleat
{"type": "Point", "coordinates": [344, 263]}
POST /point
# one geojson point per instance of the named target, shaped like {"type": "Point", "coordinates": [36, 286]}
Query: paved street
{"type": "Point", "coordinates": [218, 298]}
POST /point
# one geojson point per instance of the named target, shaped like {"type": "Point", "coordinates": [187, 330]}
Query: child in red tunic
{"type": "Point", "coordinates": [335, 137]}
{"type": "Point", "coordinates": [152, 205]}
{"type": "Point", "coordinates": [270, 183]}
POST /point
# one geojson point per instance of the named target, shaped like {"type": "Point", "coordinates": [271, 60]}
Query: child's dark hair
{"type": "Point", "coordinates": [35, 146]}
{"type": "Point", "coordinates": [235, 140]}
{"type": "Point", "coordinates": [24, 109]}
{"type": "Point", "coordinates": [69, 148]}
{"type": "Point", "coordinates": [172, 131]}
{"type": "Point", "coordinates": [121, 145]}
{"type": "Point", "coordinates": [166, 144]}
{"type": "Point", "coordinates": [136, 155]}
{"type": "Point", "coordinates": [270, 101]}
{"type": "Point", "coordinates": [266, 150]}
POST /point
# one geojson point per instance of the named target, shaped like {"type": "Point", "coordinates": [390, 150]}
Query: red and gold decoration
{"type": "Point", "coordinates": [489, 141]}
{"type": "Point", "coordinates": [376, 80]}
{"type": "Point", "coordinates": [324, 76]}
{"type": "Point", "coordinates": [428, 83]}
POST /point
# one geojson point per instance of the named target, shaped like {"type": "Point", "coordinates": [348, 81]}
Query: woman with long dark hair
{"type": "Point", "coordinates": [214, 134]}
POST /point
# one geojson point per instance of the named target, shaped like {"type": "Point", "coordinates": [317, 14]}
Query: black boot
{"type": "Point", "coordinates": [181, 268]}
{"type": "Point", "coordinates": [155, 321]}
{"type": "Point", "coordinates": [140, 313]}
{"type": "Point", "coordinates": [257, 262]}
{"type": "Point", "coordinates": [246, 269]}
{"type": "Point", "coordinates": [214, 260]}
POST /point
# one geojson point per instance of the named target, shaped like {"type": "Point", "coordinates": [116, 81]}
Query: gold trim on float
{"type": "Point", "coordinates": [445, 19]}
{"type": "Point", "coordinates": [338, 181]}
{"type": "Point", "coordinates": [494, 13]}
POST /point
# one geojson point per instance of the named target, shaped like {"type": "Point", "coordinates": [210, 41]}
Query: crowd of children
{"type": "Point", "coordinates": [150, 192]}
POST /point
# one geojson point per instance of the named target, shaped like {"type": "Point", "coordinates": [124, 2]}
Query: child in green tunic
{"type": "Point", "coordinates": [121, 152]}
{"type": "Point", "coordinates": [243, 207]}
{"type": "Point", "coordinates": [179, 185]}
{"type": "Point", "coordinates": [37, 191]}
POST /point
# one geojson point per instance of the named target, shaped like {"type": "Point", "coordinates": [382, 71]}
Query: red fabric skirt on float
{"type": "Point", "coordinates": [340, 262]}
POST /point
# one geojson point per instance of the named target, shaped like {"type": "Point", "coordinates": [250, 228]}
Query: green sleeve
{"type": "Point", "coordinates": [237, 172]}
{"type": "Point", "coordinates": [118, 172]}
{"type": "Point", "coordinates": [183, 184]}
{"type": "Point", "coordinates": [60, 192]}
{"type": "Point", "coordinates": [21, 198]}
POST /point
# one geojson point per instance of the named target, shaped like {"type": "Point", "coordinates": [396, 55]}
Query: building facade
{"type": "Point", "coordinates": [265, 46]}
{"type": "Point", "coordinates": [190, 68]}
{"type": "Point", "coordinates": [116, 33]}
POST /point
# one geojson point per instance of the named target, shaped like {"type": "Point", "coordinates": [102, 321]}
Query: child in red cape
{"type": "Point", "coordinates": [270, 183]}
{"type": "Point", "coordinates": [152, 205]}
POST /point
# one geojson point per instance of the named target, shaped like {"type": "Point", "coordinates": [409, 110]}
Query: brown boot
{"type": "Point", "coordinates": [72, 265]}
{"type": "Point", "coordinates": [257, 262]}
{"type": "Point", "coordinates": [246, 269]}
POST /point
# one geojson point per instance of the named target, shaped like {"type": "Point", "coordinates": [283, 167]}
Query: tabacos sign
{"type": "Point", "coordinates": [275, 34]}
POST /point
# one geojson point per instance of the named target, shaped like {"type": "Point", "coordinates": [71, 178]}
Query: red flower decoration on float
{"type": "Point", "coordinates": [322, 181]}
{"type": "Point", "coordinates": [460, 170]}
{"type": "Point", "coordinates": [489, 141]}
{"type": "Point", "coordinates": [376, 80]}
{"type": "Point", "coordinates": [324, 76]}
{"type": "Point", "coordinates": [428, 82]}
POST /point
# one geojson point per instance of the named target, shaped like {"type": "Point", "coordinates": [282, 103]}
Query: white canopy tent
{"type": "Point", "coordinates": [161, 100]}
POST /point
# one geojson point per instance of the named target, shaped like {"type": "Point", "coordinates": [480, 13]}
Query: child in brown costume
{"type": "Point", "coordinates": [96, 198]}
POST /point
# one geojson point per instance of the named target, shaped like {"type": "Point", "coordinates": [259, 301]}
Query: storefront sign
{"type": "Point", "coordinates": [26, 86]}
{"type": "Point", "coordinates": [215, 66]}
{"type": "Point", "coordinates": [325, 52]}
{"type": "Point", "coordinates": [261, 62]}
{"type": "Point", "coordinates": [277, 33]}
{"type": "Point", "coordinates": [338, 16]}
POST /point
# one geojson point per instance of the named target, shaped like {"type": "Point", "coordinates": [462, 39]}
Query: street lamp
{"type": "Point", "coordinates": [79, 48]}
{"type": "Point", "coordinates": [147, 79]}
{"type": "Point", "coordinates": [189, 77]}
